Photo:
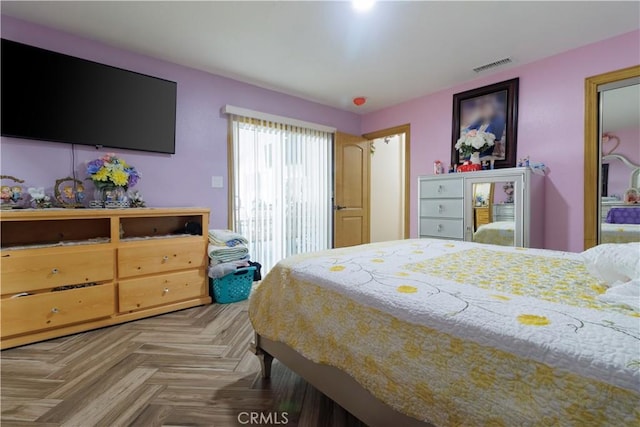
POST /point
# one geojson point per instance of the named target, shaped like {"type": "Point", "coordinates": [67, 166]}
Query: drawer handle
{"type": "Point", "coordinates": [166, 291]}
{"type": "Point", "coordinates": [440, 228]}
{"type": "Point", "coordinates": [165, 258]}
{"type": "Point", "coordinates": [55, 310]}
{"type": "Point", "coordinates": [440, 208]}
{"type": "Point", "coordinates": [440, 188]}
{"type": "Point", "coordinates": [55, 271]}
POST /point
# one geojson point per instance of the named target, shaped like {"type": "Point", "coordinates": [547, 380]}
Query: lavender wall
{"type": "Point", "coordinates": [551, 127]}
{"type": "Point", "coordinates": [183, 179]}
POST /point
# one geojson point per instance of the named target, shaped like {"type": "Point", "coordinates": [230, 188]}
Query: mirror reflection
{"type": "Point", "coordinates": [493, 213]}
{"type": "Point", "coordinates": [620, 164]}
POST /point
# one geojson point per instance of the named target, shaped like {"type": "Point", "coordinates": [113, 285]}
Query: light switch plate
{"type": "Point", "coordinates": [217, 182]}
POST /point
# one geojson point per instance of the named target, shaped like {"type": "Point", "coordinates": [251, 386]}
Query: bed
{"type": "Point", "coordinates": [501, 233]}
{"type": "Point", "coordinates": [432, 332]}
{"type": "Point", "coordinates": [495, 233]}
{"type": "Point", "coordinates": [619, 233]}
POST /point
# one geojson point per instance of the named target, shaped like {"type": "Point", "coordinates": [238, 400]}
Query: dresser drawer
{"type": "Point", "coordinates": [23, 273]}
{"type": "Point", "coordinates": [160, 258]}
{"type": "Point", "coordinates": [441, 228]}
{"type": "Point", "coordinates": [503, 212]}
{"type": "Point", "coordinates": [136, 294]}
{"type": "Point", "coordinates": [481, 216]}
{"type": "Point", "coordinates": [441, 188]}
{"type": "Point", "coordinates": [442, 208]}
{"type": "Point", "coordinates": [54, 309]}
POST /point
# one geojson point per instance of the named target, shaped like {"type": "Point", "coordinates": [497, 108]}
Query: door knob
{"type": "Point", "coordinates": [339, 208]}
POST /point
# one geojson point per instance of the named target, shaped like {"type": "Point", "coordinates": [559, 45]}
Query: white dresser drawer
{"type": "Point", "coordinates": [503, 212]}
{"type": "Point", "coordinates": [442, 208]}
{"type": "Point", "coordinates": [442, 228]}
{"type": "Point", "coordinates": [441, 188]}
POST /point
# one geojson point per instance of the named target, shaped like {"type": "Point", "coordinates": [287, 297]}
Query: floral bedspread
{"type": "Point", "coordinates": [496, 233]}
{"type": "Point", "coordinates": [459, 333]}
{"type": "Point", "coordinates": [619, 233]}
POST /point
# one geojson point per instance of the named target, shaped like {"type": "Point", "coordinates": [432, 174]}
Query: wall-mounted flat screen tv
{"type": "Point", "coordinates": [54, 97]}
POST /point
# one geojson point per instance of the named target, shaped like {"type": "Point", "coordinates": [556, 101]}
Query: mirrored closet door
{"type": "Point", "coordinates": [612, 157]}
{"type": "Point", "coordinates": [619, 162]}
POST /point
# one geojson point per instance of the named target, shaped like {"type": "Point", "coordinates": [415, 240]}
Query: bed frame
{"type": "Point", "coordinates": [334, 383]}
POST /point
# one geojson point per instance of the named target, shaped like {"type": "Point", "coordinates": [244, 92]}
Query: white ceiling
{"type": "Point", "coordinates": [327, 52]}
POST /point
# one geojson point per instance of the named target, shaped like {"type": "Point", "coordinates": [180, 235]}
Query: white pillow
{"type": "Point", "coordinates": [614, 262]}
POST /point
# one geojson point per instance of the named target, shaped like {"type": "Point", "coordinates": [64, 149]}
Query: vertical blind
{"type": "Point", "coordinates": [281, 188]}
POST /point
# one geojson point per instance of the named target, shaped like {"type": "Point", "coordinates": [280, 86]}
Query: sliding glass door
{"type": "Point", "coordinates": [281, 188]}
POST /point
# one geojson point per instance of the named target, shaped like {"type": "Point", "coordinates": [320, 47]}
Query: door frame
{"type": "Point", "coordinates": [406, 129]}
{"type": "Point", "coordinates": [592, 149]}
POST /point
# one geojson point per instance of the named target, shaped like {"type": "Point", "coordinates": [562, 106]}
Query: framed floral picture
{"type": "Point", "coordinates": [485, 122]}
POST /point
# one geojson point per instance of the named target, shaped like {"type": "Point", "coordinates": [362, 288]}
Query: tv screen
{"type": "Point", "coordinates": [54, 97]}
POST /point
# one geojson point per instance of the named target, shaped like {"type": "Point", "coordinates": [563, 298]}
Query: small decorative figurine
{"type": "Point", "coordinates": [67, 195]}
{"type": "Point", "coordinates": [136, 199]}
{"type": "Point", "coordinates": [10, 195]}
{"type": "Point", "coordinates": [80, 193]}
{"type": "Point", "coordinates": [5, 193]}
{"type": "Point", "coordinates": [438, 169]}
{"type": "Point", "coordinates": [38, 197]}
{"type": "Point", "coordinates": [631, 196]}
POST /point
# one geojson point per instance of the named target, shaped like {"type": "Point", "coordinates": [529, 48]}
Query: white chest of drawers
{"type": "Point", "coordinates": [446, 205]}
{"type": "Point", "coordinates": [442, 208]}
{"type": "Point", "coordinates": [504, 212]}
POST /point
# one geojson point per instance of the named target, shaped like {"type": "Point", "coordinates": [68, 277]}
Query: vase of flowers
{"type": "Point", "coordinates": [473, 142]}
{"type": "Point", "coordinates": [112, 176]}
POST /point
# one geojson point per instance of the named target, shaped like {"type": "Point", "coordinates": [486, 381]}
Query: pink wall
{"type": "Point", "coordinates": [183, 179]}
{"type": "Point", "coordinates": [619, 174]}
{"type": "Point", "coordinates": [551, 127]}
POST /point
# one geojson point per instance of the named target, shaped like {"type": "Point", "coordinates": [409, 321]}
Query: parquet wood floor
{"type": "Point", "coordinates": [188, 368]}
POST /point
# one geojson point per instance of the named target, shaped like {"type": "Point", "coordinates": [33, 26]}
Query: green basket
{"type": "Point", "coordinates": [233, 287]}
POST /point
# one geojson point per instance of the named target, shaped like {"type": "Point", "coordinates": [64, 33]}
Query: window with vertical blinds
{"type": "Point", "coordinates": [281, 188]}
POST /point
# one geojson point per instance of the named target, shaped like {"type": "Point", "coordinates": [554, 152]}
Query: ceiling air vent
{"type": "Point", "coordinates": [492, 65]}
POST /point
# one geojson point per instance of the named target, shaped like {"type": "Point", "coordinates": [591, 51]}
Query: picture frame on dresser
{"type": "Point", "coordinates": [494, 109]}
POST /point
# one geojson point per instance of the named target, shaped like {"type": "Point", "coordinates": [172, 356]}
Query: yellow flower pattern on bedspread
{"type": "Point", "coordinates": [432, 336]}
{"type": "Point", "coordinates": [518, 273]}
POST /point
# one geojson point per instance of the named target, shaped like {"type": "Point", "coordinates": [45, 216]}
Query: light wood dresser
{"type": "Point", "coordinates": [70, 270]}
